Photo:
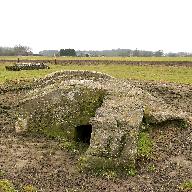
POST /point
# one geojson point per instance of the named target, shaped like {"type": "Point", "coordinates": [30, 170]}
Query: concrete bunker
{"type": "Point", "coordinates": [63, 112]}
{"type": "Point", "coordinates": [95, 109]}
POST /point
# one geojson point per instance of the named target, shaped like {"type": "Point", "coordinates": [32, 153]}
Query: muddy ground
{"type": "Point", "coordinates": [43, 163]}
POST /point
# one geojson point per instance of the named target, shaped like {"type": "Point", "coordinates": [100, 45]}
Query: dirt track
{"type": "Point", "coordinates": [43, 163]}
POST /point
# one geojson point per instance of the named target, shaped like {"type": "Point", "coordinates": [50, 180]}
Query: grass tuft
{"type": "Point", "coordinates": [186, 186]}
{"type": "Point", "coordinates": [145, 145]}
{"type": "Point", "coordinates": [6, 186]}
{"type": "Point", "coordinates": [29, 188]}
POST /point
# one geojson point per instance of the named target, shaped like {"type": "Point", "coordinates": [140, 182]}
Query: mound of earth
{"type": "Point", "coordinates": [142, 129]}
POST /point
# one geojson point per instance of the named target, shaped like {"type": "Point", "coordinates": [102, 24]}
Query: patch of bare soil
{"type": "Point", "coordinates": [50, 168]}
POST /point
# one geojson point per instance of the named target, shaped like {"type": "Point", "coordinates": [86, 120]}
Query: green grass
{"type": "Point", "coordinates": [29, 188]}
{"type": "Point", "coordinates": [186, 186]}
{"type": "Point", "coordinates": [6, 186]}
{"type": "Point", "coordinates": [145, 145]}
{"type": "Point", "coordinates": [99, 58]}
{"type": "Point", "coordinates": [154, 73]}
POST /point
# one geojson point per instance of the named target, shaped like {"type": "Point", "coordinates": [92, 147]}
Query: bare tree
{"type": "Point", "coordinates": [22, 50]}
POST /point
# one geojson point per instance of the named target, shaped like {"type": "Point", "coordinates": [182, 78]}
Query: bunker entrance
{"type": "Point", "coordinates": [83, 133]}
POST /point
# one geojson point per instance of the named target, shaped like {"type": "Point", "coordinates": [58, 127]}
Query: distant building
{"type": "Point", "coordinates": [49, 53]}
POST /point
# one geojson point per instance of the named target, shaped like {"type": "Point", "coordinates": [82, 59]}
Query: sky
{"type": "Point", "coordinates": [97, 24]}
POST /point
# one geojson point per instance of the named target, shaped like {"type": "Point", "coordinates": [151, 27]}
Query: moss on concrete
{"type": "Point", "coordinates": [57, 114]}
{"type": "Point", "coordinates": [102, 166]}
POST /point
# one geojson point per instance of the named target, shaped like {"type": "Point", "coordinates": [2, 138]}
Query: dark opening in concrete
{"type": "Point", "coordinates": [83, 133]}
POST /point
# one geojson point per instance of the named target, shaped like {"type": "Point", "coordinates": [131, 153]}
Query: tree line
{"type": "Point", "coordinates": [67, 52]}
{"type": "Point", "coordinates": [20, 50]}
{"type": "Point", "coordinates": [113, 53]}
{"type": "Point", "coordinates": [131, 53]}
{"type": "Point", "coordinates": [17, 50]}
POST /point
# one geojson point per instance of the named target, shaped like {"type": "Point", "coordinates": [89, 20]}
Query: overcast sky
{"type": "Point", "coordinates": [97, 24]}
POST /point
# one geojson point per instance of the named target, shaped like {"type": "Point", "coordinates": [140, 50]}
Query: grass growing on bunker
{"type": "Point", "coordinates": [149, 73]}
{"type": "Point", "coordinates": [109, 168]}
{"type": "Point", "coordinates": [76, 148]}
{"type": "Point", "coordinates": [145, 145]}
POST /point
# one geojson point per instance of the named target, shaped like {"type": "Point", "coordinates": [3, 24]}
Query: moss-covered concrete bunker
{"type": "Point", "coordinates": [61, 113]}
{"type": "Point", "coordinates": [94, 108]}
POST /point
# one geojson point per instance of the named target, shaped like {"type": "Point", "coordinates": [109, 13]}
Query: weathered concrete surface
{"type": "Point", "coordinates": [116, 109]}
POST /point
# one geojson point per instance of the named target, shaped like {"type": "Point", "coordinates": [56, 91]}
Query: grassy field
{"type": "Point", "coordinates": [100, 58]}
{"type": "Point", "coordinates": [154, 73]}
